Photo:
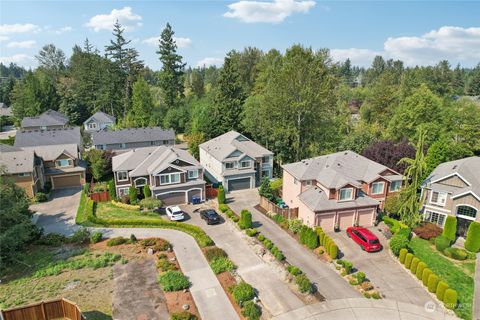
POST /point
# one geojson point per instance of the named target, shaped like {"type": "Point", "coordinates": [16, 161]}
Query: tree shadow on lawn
{"type": "Point", "coordinates": [97, 315]}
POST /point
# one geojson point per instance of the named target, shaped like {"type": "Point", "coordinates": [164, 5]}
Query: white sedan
{"type": "Point", "coordinates": [174, 213]}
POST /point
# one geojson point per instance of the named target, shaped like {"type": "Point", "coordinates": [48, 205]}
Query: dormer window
{"type": "Point", "coordinates": [229, 165]}
{"type": "Point", "coordinates": [63, 163]}
{"type": "Point", "coordinates": [92, 125]}
{"type": "Point", "coordinates": [193, 174]}
{"type": "Point", "coordinates": [378, 187]}
{"type": "Point", "coordinates": [245, 164]}
{"type": "Point", "coordinates": [346, 194]}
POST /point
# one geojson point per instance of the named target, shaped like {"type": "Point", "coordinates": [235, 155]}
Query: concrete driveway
{"type": "Point", "coordinates": [58, 214]}
{"type": "Point", "coordinates": [391, 278]}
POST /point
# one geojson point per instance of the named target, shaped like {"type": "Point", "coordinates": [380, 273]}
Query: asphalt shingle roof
{"type": "Point", "coordinates": [101, 117]}
{"type": "Point", "coordinates": [132, 135]}
{"type": "Point", "coordinates": [16, 160]}
{"type": "Point", "coordinates": [315, 199]}
{"type": "Point", "coordinates": [32, 138]}
{"type": "Point", "coordinates": [48, 118]}
{"type": "Point", "coordinates": [52, 152]}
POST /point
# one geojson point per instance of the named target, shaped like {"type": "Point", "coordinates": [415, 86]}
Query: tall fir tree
{"type": "Point", "coordinates": [142, 103]}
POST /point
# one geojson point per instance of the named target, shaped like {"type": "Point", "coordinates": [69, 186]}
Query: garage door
{"type": "Point", "coordinates": [193, 193]}
{"type": "Point", "coordinates": [326, 221]}
{"type": "Point", "coordinates": [365, 218]}
{"type": "Point", "coordinates": [239, 184]}
{"type": "Point", "coordinates": [66, 182]}
{"type": "Point", "coordinates": [345, 219]}
{"type": "Point", "coordinates": [170, 199]}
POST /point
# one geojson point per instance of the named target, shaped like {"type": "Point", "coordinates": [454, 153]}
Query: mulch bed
{"type": "Point", "coordinates": [227, 280]}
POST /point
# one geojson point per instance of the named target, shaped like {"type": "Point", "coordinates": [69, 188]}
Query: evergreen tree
{"type": "Point", "coordinates": [142, 103]}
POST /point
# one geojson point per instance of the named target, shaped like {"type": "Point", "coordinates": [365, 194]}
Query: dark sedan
{"type": "Point", "coordinates": [210, 216]}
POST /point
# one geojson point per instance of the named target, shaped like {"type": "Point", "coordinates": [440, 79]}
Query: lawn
{"type": "Point", "coordinates": [458, 274]}
{"type": "Point", "coordinates": [107, 210]}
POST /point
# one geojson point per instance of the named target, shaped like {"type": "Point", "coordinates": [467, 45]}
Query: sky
{"type": "Point", "coordinates": [417, 32]}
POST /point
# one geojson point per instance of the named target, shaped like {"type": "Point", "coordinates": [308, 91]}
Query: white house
{"type": "Point", "coordinates": [98, 121]}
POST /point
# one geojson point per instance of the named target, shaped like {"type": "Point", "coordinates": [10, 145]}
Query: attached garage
{"type": "Point", "coordinates": [66, 181]}
{"type": "Point", "coordinates": [238, 184]}
{"type": "Point", "coordinates": [345, 219]}
{"type": "Point", "coordinates": [365, 217]}
{"type": "Point", "coordinates": [194, 193]}
{"type": "Point", "coordinates": [326, 221]}
{"type": "Point", "coordinates": [172, 198]}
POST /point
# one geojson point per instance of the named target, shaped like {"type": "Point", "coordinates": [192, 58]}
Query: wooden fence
{"type": "Point", "coordinates": [102, 196]}
{"type": "Point", "coordinates": [211, 192]}
{"type": "Point", "coordinates": [287, 213]}
{"type": "Point", "coordinates": [45, 310]}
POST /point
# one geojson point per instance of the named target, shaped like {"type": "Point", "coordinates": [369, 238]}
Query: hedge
{"type": "Point", "coordinates": [394, 224]}
{"type": "Point", "coordinates": [419, 273]}
{"type": "Point", "coordinates": [398, 242]}
{"type": "Point", "coordinates": [221, 195]}
{"type": "Point", "coordinates": [472, 243]}
{"type": "Point", "coordinates": [333, 251]}
{"type": "Point", "coordinates": [223, 207]}
{"type": "Point", "coordinates": [441, 288]}
{"type": "Point", "coordinates": [125, 206]}
{"type": "Point", "coordinates": [245, 219]}
{"type": "Point", "coordinates": [322, 238]}
{"type": "Point", "coordinates": [442, 243]}
{"type": "Point", "coordinates": [403, 254]}
{"type": "Point", "coordinates": [426, 274]}
{"type": "Point", "coordinates": [432, 283]}
{"type": "Point", "coordinates": [414, 265]}
{"type": "Point", "coordinates": [450, 298]}
{"type": "Point", "coordinates": [242, 292]}
{"type": "Point", "coordinates": [450, 228]}
{"type": "Point", "coordinates": [408, 260]}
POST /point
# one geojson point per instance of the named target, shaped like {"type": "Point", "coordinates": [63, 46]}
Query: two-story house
{"type": "Point", "coordinates": [235, 161]}
{"type": "Point", "coordinates": [453, 188]}
{"type": "Point", "coordinates": [338, 190]}
{"type": "Point", "coordinates": [174, 176]}
{"type": "Point", "coordinates": [50, 119]}
{"type": "Point", "coordinates": [24, 167]}
{"type": "Point", "coordinates": [99, 121]}
{"type": "Point", "coordinates": [132, 138]}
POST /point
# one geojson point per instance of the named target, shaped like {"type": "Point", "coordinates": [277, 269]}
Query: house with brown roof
{"type": "Point", "coordinates": [453, 188]}
{"type": "Point", "coordinates": [172, 174]}
{"type": "Point", "coordinates": [338, 190]}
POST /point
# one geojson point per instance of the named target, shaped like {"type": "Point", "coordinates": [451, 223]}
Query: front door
{"type": "Point", "coordinates": [462, 227]}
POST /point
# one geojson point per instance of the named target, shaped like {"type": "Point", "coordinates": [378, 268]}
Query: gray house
{"type": "Point", "coordinates": [50, 119]}
{"type": "Point", "coordinates": [99, 121]}
{"type": "Point", "coordinates": [33, 138]}
{"type": "Point", "coordinates": [174, 176]}
{"type": "Point", "coordinates": [132, 138]}
{"type": "Point", "coordinates": [235, 161]}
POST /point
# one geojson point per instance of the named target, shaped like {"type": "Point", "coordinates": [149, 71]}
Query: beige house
{"type": "Point", "coordinates": [338, 190]}
{"type": "Point", "coordinates": [453, 188]}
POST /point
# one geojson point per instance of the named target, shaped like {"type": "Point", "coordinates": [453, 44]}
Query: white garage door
{"type": "Point", "coordinates": [326, 221]}
{"type": "Point", "coordinates": [345, 219]}
{"type": "Point", "coordinates": [365, 218]}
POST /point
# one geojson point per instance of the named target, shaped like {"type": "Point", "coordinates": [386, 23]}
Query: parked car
{"type": "Point", "coordinates": [365, 238]}
{"type": "Point", "coordinates": [174, 213]}
{"type": "Point", "coordinates": [210, 216]}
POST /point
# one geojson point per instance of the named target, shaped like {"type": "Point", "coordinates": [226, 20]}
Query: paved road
{"type": "Point", "coordinates": [391, 278]}
{"type": "Point", "coordinates": [276, 296]}
{"type": "Point", "coordinates": [328, 282]}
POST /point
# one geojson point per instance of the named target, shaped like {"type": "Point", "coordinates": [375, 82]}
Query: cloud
{"type": "Point", "coordinates": [456, 44]}
{"type": "Point", "coordinates": [4, 38]}
{"type": "Point", "coordinates": [267, 12]}
{"type": "Point", "coordinates": [63, 30]}
{"type": "Point", "coordinates": [125, 17]}
{"type": "Point", "coordinates": [6, 29]}
{"type": "Point", "coordinates": [22, 44]}
{"type": "Point", "coordinates": [181, 42]}
{"type": "Point", "coordinates": [20, 58]}
{"type": "Point", "coordinates": [210, 61]}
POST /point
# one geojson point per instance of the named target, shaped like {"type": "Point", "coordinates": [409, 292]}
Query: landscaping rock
{"type": "Point", "coordinates": [185, 307]}
{"type": "Point", "coordinates": [150, 251]}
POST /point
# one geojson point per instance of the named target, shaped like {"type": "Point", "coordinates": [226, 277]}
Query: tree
{"type": "Point", "coordinates": [194, 140]}
{"type": "Point", "coordinates": [52, 60]}
{"type": "Point", "coordinates": [171, 75]}
{"type": "Point", "coordinates": [97, 163]}
{"type": "Point", "coordinates": [265, 189]}
{"type": "Point", "coordinates": [132, 195]}
{"type": "Point", "coordinates": [410, 202]}
{"type": "Point", "coordinates": [389, 153]}
{"type": "Point", "coordinates": [146, 191]}
{"type": "Point", "coordinates": [142, 103]}
{"type": "Point", "coordinates": [473, 83]}
{"type": "Point", "coordinates": [444, 150]}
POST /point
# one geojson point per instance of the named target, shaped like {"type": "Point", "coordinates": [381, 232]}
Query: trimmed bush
{"type": "Point", "coordinates": [322, 238]}
{"type": "Point", "coordinates": [347, 265]}
{"type": "Point", "coordinates": [221, 195]}
{"type": "Point", "coordinates": [150, 203]}
{"type": "Point", "coordinates": [428, 231]}
{"type": "Point", "coordinates": [333, 251]}
{"type": "Point", "coordinates": [52, 239]}
{"type": "Point", "coordinates": [268, 243]}
{"type": "Point", "coordinates": [450, 298]}
{"type": "Point", "coordinates": [111, 189]}
{"type": "Point", "coordinates": [146, 191]}
{"type": "Point", "coordinates": [245, 219]}
{"type": "Point", "coordinates": [251, 232]}
{"type": "Point", "coordinates": [184, 315]}
{"type": "Point", "coordinates": [441, 288]}
{"type": "Point", "coordinates": [242, 293]}
{"type": "Point", "coordinates": [96, 237]}
{"type": "Point", "coordinates": [311, 238]}
{"type": "Point", "coordinates": [426, 274]}
{"type": "Point", "coordinates": [235, 219]}
{"type": "Point", "coordinates": [295, 225]}
{"type": "Point", "coordinates": [408, 260]}
{"type": "Point", "coordinates": [397, 243]}
{"type": "Point", "coordinates": [432, 283]}
{"type": "Point", "coordinates": [116, 241]}
{"type": "Point", "coordinates": [419, 273]}
{"type": "Point", "coordinates": [414, 265]}
{"type": "Point", "coordinates": [221, 264]}
{"type": "Point", "coordinates": [173, 281]}
{"type": "Point", "coordinates": [472, 243]}
{"type": "Point", "coordinates": [261, 237]}
{"type": "Point", "coordinates": [132, 194]}
{"type": "Point", "coordinates": [450, 228]}
{"type": "Point", "coordinates": [456, 253]}
{"type": "Point", "coordinates": [403, 254]}
{"type": "Point", "coordinates": [125, 206]}
{"type": "Point", "coordinates": [251, 310]}
{"type": "Point", "coordinates": [223, 207]}
{"type": "Point", "coordinates": [294, 270]}
{"type": "Point", "coordinates": [442, 243]}
{"type": "Point", "coordinates": [214, 253]}
{"type": "Point", "coordinates": [360, 276]}
{"type": "Point", "coordinates": [303, 283]}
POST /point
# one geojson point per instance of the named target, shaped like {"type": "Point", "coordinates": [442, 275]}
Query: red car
{"type": "Point", "coordinates": [365, 238]}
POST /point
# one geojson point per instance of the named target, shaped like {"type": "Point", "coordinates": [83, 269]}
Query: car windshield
{"type": "Point", "coordinates": [211, 213]}
{"type": "Point", "coordinates": [375, 241]}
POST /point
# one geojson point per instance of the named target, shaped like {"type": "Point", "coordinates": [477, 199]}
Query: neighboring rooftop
{"type": "Point", "coordinates": [132, 135]}
{"type": "Point", "coordinates": [33, 138]}
{"type": "Point", "coordinates": [52, 152]}
{"type": "Point", "coordinates": [101, 117]}
{"type": "Point", "coordinates": [48, 118]}
{"type": "Point", "coordinates": [316, 200]}
{"type": "Point", "coordinates": [227, 144]}
{"type": "Point", "coordinates": [5, 110]}
{"type": "Point", "coordinates": [16, 160]}
{"type": "Point", "coordinates": [338, 169]}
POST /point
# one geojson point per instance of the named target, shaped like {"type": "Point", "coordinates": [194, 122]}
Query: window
{"type": "Point", "coordinates": [245, 164]}
{"type": "Point", "coordinates": [24, 174]}
{"type": "Point", "coordinates": [438, 198]}
{"type": "Point", "coordinates": [122, 192]}
{"type": "Point", "coordinates": [435, 217]}
{"type": "Point", "coordinates": [395, 185]}
{"type": "Point", "coordinates": [229, 165]}
{"type": "Point", "coordinates": [378, 187]}
{"type": "Point", "coordinates": [192, 174]}
{"type": "Point", "coordinates": [155, 143]}
{"type": "Point", "coordinates": [308, 182]}
{"type": "Point", "coordinates": [140, 182]}
{"type": "Point", "coordinates": [266, 159]}
{"type": "Point", "coordinates": [63, 163]}
{"type": "Point", "coordinates": [467, 212]}
{"type": "Point", "coordinates": [166, 142]}
{"type": "Point", "coordinates": [266, 173]}
{"type": "Point", "coordinates": [122, 175]}
{"type": "Point", "coordinates": [346, 194]}
{"type": "Point", "coordinates": [92, 125]}
{"type": "Point", "coordinates": [170, 178]}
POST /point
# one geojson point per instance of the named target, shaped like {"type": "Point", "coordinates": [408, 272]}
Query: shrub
{"type": "Point", "coordinates": [426, 274]}
{"type": "Point", "coordinates": [321, 237]}
{"type": "Point", "coordinates": [268, 243]}
{"type": "Point", "coordinates": [223, 207]}
{"type": "Point", "coordinates": [420, 267]}
{"type": "Point", "coordinates": [304, 285]}
{"type": "Point", "coordinates": [150, 203]}
{"type": "Point", "coordinates": [111, 189]}
{"type": "Point", "coordinates": [375, 295]}
{"type": "Point", "coordinates": [221, 264]}
{"type": "Point", "coordinates": [96, 237]}
{"type": "Point", "coordinates": [156, 244]}
{"type": "Point", "coordinates": [184, 315]}
{"type": "Point", "coordinates": [81, 236]}
{"type": "Point", "coordinates": [432, 283]}
{"type": "Point", "coordinates": [173, 281]}
{"type": "Point", "coordinates": [221, 195]}
{"type": "Point", "coordinates": [125, 206]}
{"type": "Point", "coordinates": [251, 310]}
{"type": "Point", "coordinates": [347, 265]}
{"type": "Point", "coordinates": [132, 194]}
{"type": "Point", "coordinates": [164, 265]}
{"type": "Point", "coordinates": [295, 225]}
{"type": "Point", "coordinates": [279, 219]}
{"type": "Point", "coordinates": [235, 218]}
{"type": "Point", "coordinates": [406, 232]}
{"type": "Point", "coordinates": [456, 253]}
{"type": "Point", "coordinates": [245, 219]}
{"type": "Point", "coordinates": [52, 239]}
{"type": "Point", "coordinates": [116, 241]}
{"type": "Point", "coordinates": [397, 243]}
{"type": "Point", "coordinates": [450, 299]}
{"type": "Point", "coordinates": [394, 225]}
{"type": "Point", "coordinates": [333, 251]}
{"type": "Point", "coordinates": [428, 231]}
{"type": "Point", "coordinates": [133, 239]}
{"type": "Point", "coordinates": [229, 213]}
{"type": "Point", "coordinates": [261, 237]}
{"type": "Point", "coordinates": [441, 288]}
{"type": "Point", "coordinates": [472, 243]}
{"type": "Point", "coordinates": [312, 239]}
{"type": "Point", "coordinates": [40, 197]}
{"type": "Point", "coordinates": [242, 293]}
{"type": "Point", "coordinates": [278, 255]}
{"type": "Point", "coordinates": [414, 265]}
{"type": "Point", "coordinates": [294, 270]}
{"type": "Point", "coordinates": [450, 228]}
{"type": "Point", "coordinates": [214, 253]}
{"type": "Point", "coordinates": [86, 188]}
{"type": "Point", "coordinates": [360, 276]}
{"type": "Point", "coordinates": [146, 191]}
{"type": "Point", "coordinates": [442, 243]}
{"type": "Point", "coordinates": [403, 253]}
{"type": "Point", "coordinates": [408, 260]}
{"type": "Point", "coordinates": [251, 232]}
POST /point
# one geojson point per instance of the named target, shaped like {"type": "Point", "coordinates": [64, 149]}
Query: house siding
{"type": "Point", "coordinates": [290, 190]}
{"type": "Point", "coordinates": [453, 181]}
{"type": "Point", "coordinates": [213, 167]}
{"type": "Point", "coordinates": [468, 200]}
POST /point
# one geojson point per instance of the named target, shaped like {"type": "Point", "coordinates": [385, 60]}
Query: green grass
{"type": "Point", "coordinates": [107, 210]}
{"type": "Point", "coordinates": [458, 274]}
{"type": "Point", "coordinates": [81, 217]}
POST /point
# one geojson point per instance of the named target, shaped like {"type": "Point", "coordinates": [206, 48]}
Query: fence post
{"type": "Point", "coordinates": [44, 313]}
